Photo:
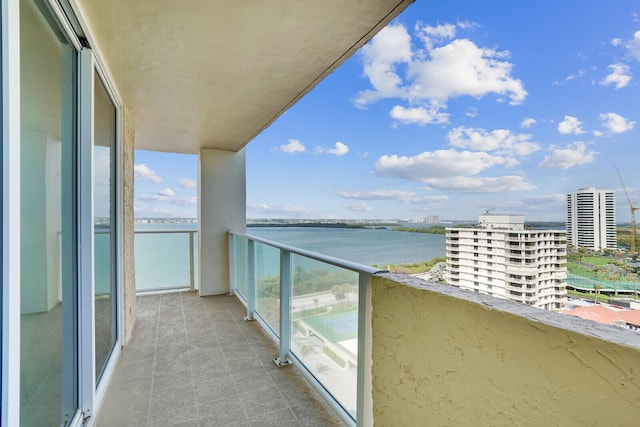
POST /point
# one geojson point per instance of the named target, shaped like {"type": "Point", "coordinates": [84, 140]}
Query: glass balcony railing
{"type": "Point", "coordinates": [315, 308]}
{"type": "Point", "coordinates": [166, 260]}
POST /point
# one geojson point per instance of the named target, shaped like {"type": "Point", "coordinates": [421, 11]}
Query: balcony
{"type": "Point", "coordinates": [196, 360]}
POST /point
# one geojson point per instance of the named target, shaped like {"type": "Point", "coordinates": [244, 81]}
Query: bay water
{"type": "Point", "coordinates": [162, 260]}
{"type": "Point", "coordinates": [366, 246]}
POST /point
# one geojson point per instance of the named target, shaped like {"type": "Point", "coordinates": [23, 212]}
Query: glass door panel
{"type": "Point", "coordinates": [48, 233]}
{"type": "Point", "coordinates": [104, 224]}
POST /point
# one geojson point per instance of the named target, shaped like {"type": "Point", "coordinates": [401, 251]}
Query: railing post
{"type": "Point", "coordinates": [251, 280]}
{"type": "Point", "coordinates": [232, 263]}
{"type": "Point", "coordinates": [192, 274]}
{"type": "Point", "coordinates": [364, 405]}
{"type": "Point", "coordinates": [285, 309]}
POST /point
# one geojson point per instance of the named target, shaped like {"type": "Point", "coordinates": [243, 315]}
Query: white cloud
{"type": "Point", "coordinates": [359, 207]}
{"type": "Point", "coordinates": [142, 171]}
{"type": "Point", "coordinates": [462, 68]}
{"type": "Point", "coordinates": [391, 46]}
{"type": "Point", "coordinates": [179, 201]}
{"type": "Point", "coordinates": [581, 72]}
{"type": "Point", "coordinates": [616, 42]}
{"type": "Point", "coordinates": [166, 192]}
{"type": "Point", "coordinates": [435, 72]}
{"type": "Point", "coordinates": [436, 164]}
{"type": "Point", "coordinates": [187, 183]}
{"type": "Point", "coordinates": [616, 123]}
{"type": "Point", "coordinates": [620, 76]}
{"type": "Point", "coordinates": [428, 199]}
{"type": "Point", "coordinates": [566, 157]}
{"type": "Point", "coordinates": [570, 125]}
{"type": "Point", "coordinates": [527, 122]}
{"type": "Point", "coordinates": [482, 184]}
{"type": "Point", "coordinates": [435, 35]}
{"type": "Point", "coordinates": [452, 170]}
{"type": "Point", "coordinates": [500, 141]}
{"type": "Point", "coordinates": [399, 195]}
{"type": "Point", "coordinates": [283, 211]}
{"type": "Point", "coordinates": [294, 146]}
{"type": "Point", "coordinates": [339, 149]}
{"type": "Point", "coordinates": [419, 115]}
{"type": "Point", "coordinates": [377, 195]}
{"type": "Point", "coordinates": [633, 46]}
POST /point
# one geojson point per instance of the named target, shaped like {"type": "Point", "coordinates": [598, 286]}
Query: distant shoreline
{"type": "Point", "coordinates": [319, 225]}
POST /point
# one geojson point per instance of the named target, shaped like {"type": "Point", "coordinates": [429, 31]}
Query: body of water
{"type": "Point", "coordinates": [361, 245]}
{"type": "Point", "coordinates": [162, 260]}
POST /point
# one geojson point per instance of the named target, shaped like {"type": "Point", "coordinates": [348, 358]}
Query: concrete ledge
{"type": "Point", "coordinates": [544, 317]}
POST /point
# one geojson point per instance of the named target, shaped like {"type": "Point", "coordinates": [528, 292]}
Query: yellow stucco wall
{"type": "Point", "coordinates": [442, 360]}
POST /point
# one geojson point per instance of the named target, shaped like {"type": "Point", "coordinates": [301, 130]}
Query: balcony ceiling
{"type": "Point", "coordinates": [214, 74]}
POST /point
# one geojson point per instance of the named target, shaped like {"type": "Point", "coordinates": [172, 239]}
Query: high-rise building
{"type": "Point", "coordinates": [591, 219]}
{"type": "Point", "coordinates": [501, 258]}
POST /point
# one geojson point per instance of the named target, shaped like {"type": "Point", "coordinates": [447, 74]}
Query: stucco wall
{"type": "Point", "coordinates": [442, 356]}
{"type": "Point", "coordinates": [128, 260]}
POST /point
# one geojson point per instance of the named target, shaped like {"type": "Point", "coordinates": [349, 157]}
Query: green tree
{"type": "Point", "coordinates": [341, 293]}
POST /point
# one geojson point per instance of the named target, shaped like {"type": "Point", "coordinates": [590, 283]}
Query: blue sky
{"type": "Point", "coordinates": [453, 108]}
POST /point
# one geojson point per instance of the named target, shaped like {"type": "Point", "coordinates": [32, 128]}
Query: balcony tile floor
{"type": "Point", "coordinates": [193, 361]}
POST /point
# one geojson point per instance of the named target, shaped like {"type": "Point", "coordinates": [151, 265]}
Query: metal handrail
{"type": "Point", "coordinates": [285, 354]}
{"type": "Point", "coordinates": [338, 262]}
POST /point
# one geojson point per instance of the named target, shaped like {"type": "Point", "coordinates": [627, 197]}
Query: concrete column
{"type": "Point", "coordinates": [221, 207]}
{"type": "Point", "coordinates": [128, 219]}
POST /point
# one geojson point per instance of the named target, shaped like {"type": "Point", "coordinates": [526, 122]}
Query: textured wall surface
{"type": "Point", "coordinates": [128, 260]}
{"type": "Point", "coordinates": [448, 357]}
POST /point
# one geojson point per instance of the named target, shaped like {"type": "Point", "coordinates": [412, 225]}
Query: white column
{"type": "Point", "coordinates": [221, 208]}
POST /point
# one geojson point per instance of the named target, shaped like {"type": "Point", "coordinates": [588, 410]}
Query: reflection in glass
{"type": "Point", "coordinates": [324, 325]}
{"type": "Point", "coordinates": [48, 371]}
{"type": "Point", "coordinates": [268, 285]}
{"type": "Point", "coordinates": [104, 224]}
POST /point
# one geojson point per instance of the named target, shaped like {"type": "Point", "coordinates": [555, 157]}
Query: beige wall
{"type": "Point", "coordinates": [221, 207]}
{"type": "Point", "coordinates": [128, 260]}
{"type": "Point", "coordinates": [447, 357]}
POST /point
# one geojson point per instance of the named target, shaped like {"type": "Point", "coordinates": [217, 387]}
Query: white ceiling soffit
{"type": "Point", "coordinates": [214, 73]}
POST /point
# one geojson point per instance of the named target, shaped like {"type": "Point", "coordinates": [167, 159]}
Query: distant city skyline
{"type": "Point", "coordinates": [453, 108]}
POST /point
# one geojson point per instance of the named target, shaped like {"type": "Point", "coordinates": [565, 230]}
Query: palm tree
{"type": "Point", "coordinates": [341, 292]}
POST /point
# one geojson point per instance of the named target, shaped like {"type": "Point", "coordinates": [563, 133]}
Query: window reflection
{"type": "Point", "coordinates": [48, 371]}
{"type": "Point", "coordinates": [104, 239]}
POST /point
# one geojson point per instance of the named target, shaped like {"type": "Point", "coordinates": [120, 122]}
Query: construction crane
{"type": "Point", "coordinates": [633, 214]}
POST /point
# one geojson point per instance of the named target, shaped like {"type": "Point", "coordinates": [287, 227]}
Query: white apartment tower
{"type": "Point", "coordinates": [501, 258]}
{"type": "Point", "coordinates": [591, 219]}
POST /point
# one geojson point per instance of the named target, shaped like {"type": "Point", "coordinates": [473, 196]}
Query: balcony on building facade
{"type": "Point", "coordinates": [351, 355]}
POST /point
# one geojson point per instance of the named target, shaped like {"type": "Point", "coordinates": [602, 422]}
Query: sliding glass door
{"type": "Point", "coordinates": [48, 231]}
{"type": "Point", "coordinates": [104, 196]}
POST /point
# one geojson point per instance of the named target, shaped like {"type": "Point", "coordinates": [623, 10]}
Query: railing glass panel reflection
{"type": "Point", "coordinates": [166, 259]}
{"type": "Point", "coordinates": [314, 306]}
